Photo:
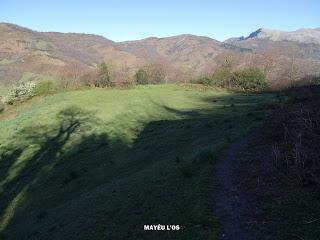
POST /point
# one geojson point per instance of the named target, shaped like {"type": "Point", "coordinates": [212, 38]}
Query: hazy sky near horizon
{"type": "Point", "coordinates": [128, 20]}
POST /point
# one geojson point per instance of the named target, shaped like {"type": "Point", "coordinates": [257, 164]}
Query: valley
{"type": "Point", "coordinates": [162, 120]}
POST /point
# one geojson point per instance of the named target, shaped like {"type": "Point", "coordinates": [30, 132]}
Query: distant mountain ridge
{"type": "Point", "coordinates": [304, 35]}
{"type": "Point", "coordinates": [23, 51]}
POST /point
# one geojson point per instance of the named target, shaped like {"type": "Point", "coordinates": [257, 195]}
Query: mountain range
{"type": "Point", "coordinates": [280, 54]}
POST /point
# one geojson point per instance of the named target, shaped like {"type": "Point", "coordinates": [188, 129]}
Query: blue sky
{"type": "Point", "coordinates": [127, 20]}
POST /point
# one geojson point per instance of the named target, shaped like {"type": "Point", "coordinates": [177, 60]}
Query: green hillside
{"type": "Point", "coordinates": [99, 164]}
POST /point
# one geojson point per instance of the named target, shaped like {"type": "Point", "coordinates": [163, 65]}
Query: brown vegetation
{"type": "Point", "coordinates": [173, 59]}
{"type": "Point", "coordinates": [295, 135]}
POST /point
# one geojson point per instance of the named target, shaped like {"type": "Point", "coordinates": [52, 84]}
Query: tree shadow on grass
{"type": "Point", "coordinates": [76, 183]}
{"type": "Point", "coordinates": [37, 152]}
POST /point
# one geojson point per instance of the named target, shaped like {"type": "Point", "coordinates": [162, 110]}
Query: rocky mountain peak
{"type": "Point", "coordinates": [303, 35]}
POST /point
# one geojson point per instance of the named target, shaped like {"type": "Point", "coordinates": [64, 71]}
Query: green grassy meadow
{"type": "Point", "coordinates": [99, 164]}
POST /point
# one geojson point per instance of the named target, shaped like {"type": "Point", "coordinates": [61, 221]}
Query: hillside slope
{"type": "Point", "coordinates": [23, 50]}
{"type": "Point", "coordinates": [182, 57]}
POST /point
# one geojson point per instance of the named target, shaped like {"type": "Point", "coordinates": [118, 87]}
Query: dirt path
{"type": "Point", "coordinates": [229, 206]}
{"type": "Point", "coordinates": [242, 178]}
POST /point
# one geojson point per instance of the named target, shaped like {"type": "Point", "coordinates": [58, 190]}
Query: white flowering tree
{"type": "Point", "coordinates": [21, 92]}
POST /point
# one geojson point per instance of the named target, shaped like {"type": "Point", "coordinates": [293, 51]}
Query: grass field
{"type": "Point", "coordinates": [99, 164]}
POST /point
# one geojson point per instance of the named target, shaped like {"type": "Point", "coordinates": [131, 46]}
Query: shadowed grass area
{"type": "Point", "coordinates": [99, 164]}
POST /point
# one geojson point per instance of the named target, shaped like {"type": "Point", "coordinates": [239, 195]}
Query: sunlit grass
{"type": "Point", "coordinates": [123, 158]}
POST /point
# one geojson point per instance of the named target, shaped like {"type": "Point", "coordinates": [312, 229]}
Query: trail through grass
{"type": "Point", "coordinates": [99, 164]}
